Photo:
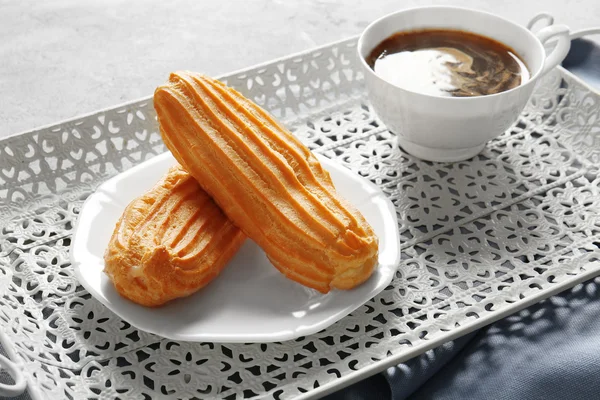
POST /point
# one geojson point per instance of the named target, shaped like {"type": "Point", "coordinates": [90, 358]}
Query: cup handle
{"type": "Point", "coordinates": [562, 34]}
{"type": "Point", "coordinates": [15, 372]}
{"type": "Point", "coordinates": [547, 18]}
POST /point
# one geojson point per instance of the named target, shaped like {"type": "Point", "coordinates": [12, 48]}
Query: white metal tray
{"type": "Point", "coordinates": [481, 239]}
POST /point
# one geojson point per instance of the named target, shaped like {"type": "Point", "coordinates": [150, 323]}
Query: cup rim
{"type": "Point", "coordinates": [533, 78]}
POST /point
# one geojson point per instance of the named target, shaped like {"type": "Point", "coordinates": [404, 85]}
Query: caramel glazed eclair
{"type": "Point", "coordinates": [170, 242]}
{"type": "Point", "coordinates": [266, 181]}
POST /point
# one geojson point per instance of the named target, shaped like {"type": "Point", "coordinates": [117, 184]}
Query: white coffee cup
{"type": "Point", "coordinates": [439, 128]}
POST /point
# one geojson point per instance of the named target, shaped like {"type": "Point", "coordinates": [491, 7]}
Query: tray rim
{"type": "Point", "coordinates": [376, 366]}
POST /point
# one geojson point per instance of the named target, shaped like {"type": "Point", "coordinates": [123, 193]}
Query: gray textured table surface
{"type": "Point", "coordinates": [60, 59]}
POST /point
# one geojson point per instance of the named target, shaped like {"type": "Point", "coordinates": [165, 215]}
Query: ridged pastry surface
{"type": "Point", "coordinates": [266, 181]}
{"type": "Point", "coordinates": [170, 242]}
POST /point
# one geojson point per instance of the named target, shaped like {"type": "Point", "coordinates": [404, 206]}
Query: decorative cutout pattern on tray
{"type": "Point", "coordinates": [481, 238]}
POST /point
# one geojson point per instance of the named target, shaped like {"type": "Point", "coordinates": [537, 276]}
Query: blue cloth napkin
{"type": "Point", "coordinates": [550, 351]}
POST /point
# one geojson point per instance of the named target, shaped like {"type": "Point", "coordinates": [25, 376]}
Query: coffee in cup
{"type": "Point", "coordinates": [446, 62]}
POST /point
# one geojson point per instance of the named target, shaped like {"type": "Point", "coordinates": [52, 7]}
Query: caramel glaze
{"type": "Point", "coordinates": [170, 242]}
{"type": "Point", "coordinates": [267, 182]}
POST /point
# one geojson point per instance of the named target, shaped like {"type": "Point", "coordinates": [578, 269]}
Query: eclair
{"type": "Point", "coordinates": [170, 242]}
{"type": "Point", "coordinates": [266, 181]}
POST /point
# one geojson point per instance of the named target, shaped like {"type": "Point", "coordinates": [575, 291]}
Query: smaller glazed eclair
{"type": "Point", "coordinates": [170, 242]}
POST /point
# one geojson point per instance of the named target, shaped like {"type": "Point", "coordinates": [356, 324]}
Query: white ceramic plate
{"type": "Point", "coordinates": [250, 301]}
